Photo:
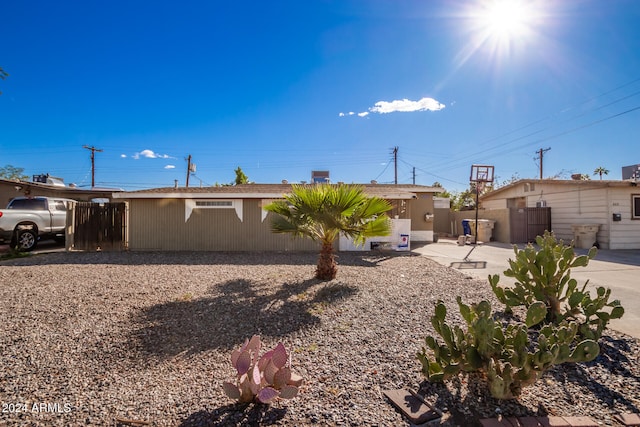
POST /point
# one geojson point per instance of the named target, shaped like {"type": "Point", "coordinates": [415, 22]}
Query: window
{"type": "Point", "coordinates": [213, 203]}
{"type": "Point", "coordinates": [190, 205]}
{"type": "Point", "coordinates": [29, 204]}
{"type": "Point", "coordinates": [635, 206]}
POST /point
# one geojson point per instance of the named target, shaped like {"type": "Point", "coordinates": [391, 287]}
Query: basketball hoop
{"type": "Point", "coordinates": [481, 175]}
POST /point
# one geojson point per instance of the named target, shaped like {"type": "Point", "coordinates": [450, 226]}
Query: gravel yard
{"type": "Point", "coordinates": [89, 337]}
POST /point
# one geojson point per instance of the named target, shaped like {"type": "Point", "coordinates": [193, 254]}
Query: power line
{"type": "Point", "coordinates": [441, 178]}
{"type": "Point", "coordinates": [383, 171]}
{"type": "Point", "coordinates": [472, 155]}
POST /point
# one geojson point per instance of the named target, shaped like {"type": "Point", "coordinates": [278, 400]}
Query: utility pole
{"type": "Point", "coordinates": [93, 163]}
{"type": "Point", "coordinates": [541, 155]}
{"type": "Point", "coordinates": [188, 169]}
{"type": "Point", "coordinates": [414, 175]}
{"type": "Point", "coordinates": [395, 164]}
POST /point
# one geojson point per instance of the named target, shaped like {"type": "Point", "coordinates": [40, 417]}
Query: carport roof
{"type": "Point", "coordinates": [267, 191]}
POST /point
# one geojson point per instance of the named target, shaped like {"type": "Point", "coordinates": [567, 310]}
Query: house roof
{"type": "Point", "coordinates": [267, 191]}
{"type": "Point", "coordinates": [496, 194]}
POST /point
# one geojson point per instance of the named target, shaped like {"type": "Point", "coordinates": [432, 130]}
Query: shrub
{"type": "Point", "coordinates": [261, 379]}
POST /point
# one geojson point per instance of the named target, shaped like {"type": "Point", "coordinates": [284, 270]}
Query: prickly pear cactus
{"type": "Point", "coordinates": [506, 355]}
{"type": "Point", "coordinates": [544, 275]}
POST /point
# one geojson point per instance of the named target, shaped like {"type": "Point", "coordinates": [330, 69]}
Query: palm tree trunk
{"type": "Point", "coordinates": [327, 268]}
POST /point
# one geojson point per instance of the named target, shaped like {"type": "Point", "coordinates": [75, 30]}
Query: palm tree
{"type": "Point", "coordinates": [600, 171]}
{"type": "Point", "coordinates": [322, 211]}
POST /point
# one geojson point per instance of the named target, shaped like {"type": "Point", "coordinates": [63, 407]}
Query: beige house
{"type": "Point", "coordinates": [611, 207]}
{"type": "Point", "coordinates": [232, 219]}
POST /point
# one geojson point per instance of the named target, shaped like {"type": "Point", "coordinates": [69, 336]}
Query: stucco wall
{"type": "Point", "coordinates": [422, 218]}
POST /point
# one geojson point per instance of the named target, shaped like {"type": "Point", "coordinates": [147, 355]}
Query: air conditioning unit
{"type": "Point", "coordinates": [541, 204]}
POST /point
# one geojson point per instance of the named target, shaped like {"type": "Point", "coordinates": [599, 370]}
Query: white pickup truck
{"type": "Point", "coordinates": [28, 219]}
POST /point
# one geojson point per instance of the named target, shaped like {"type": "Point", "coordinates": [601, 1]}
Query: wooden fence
{"type": "Point", "coordinates": [99, 226]}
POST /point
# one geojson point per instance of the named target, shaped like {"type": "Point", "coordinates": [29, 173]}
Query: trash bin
{"type": "Point", "coordinates": [584, 235]}
{"type": "Point", "coordinates": [485, 229]}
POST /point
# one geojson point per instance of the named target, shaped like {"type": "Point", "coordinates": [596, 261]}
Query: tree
{"type": "Point", "coordinates": [3, 75]}
{"type": "Point", "coordinates": [444, 193]}
{"type": "Point", "coordinates": [13, 173]}
{"type": "Point", "coordinates": [241, 178]}
{"type": "Point", "coordinates": [462, 201]}
{"type": "Point", "coordinates": [322, 211]}
{"type": "Point", "coordinates": [601, 171]}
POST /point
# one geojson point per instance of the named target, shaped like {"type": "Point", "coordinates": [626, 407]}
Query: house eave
{"type": "Point", "coordinates": [179, 195]}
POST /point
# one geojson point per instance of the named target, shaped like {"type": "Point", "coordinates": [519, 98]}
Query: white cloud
{"type": "Point", "coordinates": [406, 105]}
{"type": "Point", "coordinates": [170, 167]}
{"type": "Point", "coordinates": [400, 105]}
{"type": "Point", "coordinates": [123, 156]}
{"type": "Point", "coordinates": [150, 154]}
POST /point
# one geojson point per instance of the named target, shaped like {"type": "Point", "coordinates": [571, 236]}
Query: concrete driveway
{"type": "Point", "coordinates": [615, 269]}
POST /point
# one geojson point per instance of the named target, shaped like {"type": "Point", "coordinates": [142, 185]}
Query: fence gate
{"type": "Point", "coordinates": [99, 226]}
{"type": "Point", "coordinates": [527, 223]}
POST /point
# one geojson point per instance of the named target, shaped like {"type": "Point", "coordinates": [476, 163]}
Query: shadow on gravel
{"type": "Point", "coordinates": [612, 360]}
{"type": "Point", "coordinates": [238, 310]}
{"type": "Point", "coordinates": [468, 392]}
{"type": "Point", "coordinates": [235, 415]}
{"type": "Point", "coordinates": [359, 259]}
{"type": "Point", "coordinates": [613, 356]}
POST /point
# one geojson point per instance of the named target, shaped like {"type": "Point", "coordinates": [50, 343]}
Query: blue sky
{"type": "Point", "coordinates": [281, 88]}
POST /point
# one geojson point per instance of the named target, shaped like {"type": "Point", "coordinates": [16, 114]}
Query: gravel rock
{"type": "Point", "coordinates": [91, 337]}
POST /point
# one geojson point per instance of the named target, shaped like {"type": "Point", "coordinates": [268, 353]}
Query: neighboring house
{"type": "Point", "coordinates": [232, 219]}
{"type": "Point", "coordinates": [10, 189]}
{"type": "Point", "coordinates": [614, 206]}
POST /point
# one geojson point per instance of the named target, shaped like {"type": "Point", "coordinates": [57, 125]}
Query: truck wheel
{"type": "Point", "coordinates": [26, 240]}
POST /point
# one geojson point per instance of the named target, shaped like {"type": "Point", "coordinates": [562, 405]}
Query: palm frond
{"type": "Point", "coordinates": [322, 212]}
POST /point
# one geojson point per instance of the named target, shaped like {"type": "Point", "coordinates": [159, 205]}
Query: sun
{"type": "Point", "coordinates": [501, 28]}
{"type": "Point", "coordinates": [506, 22]}
{"type": "Point", "coordinates": [505, 19]}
